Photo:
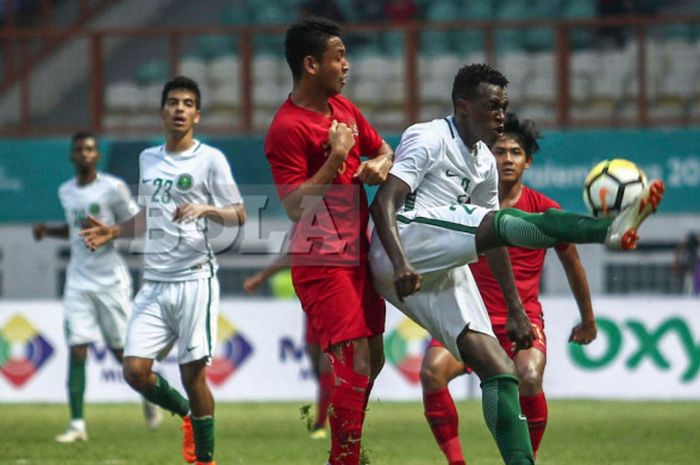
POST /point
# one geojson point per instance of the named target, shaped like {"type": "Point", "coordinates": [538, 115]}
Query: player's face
{"type": "Point", "coordinates": [486, 113]}
{"type": "Point", "coordinates": [84, 154]}
{"type": "Point", "coordinates": [511, 159]}
{"type": "Point", "coordinates": [333, 68]}
{"type": "Point", "coordinates": [179, 113]}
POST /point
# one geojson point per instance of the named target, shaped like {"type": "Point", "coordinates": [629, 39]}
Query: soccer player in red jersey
{"type": "Point", "coordinates": [314, 145]}
{"type": "Point", "coordinates": [514, 154]}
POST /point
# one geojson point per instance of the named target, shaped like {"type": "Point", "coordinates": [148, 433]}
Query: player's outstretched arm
{"type": "Point", "coordinates": [518, 325]}
{"type": "Point", "coordinates": [230, 215]}
{"type": "Point", "coordinates": [252, 284]}
{"type": "Point", "coordinates": [389, 198]}
{"type": "Point", "coordinates": [42, 230]}
{"type": "Point", "coordinates": [586, 331]}
{"type": "Point", "coordinates": [307, 196]}
{"type": "Point", "coordinates": [98, 233]}
{"type": "Point", "coordinates": [375, 170]}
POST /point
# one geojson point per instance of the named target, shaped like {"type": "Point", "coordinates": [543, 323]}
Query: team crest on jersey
{"type": "Point", "coordinates": [184, 182]}
{"type": "Point", "coordinates": [94, 208]}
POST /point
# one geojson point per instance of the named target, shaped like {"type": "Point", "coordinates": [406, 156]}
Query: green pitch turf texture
{"type": "Point", "coordinates": [579, 432]}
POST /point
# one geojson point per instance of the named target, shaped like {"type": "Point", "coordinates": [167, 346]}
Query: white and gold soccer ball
{"type": "Point", "coordinates": [612, 185]}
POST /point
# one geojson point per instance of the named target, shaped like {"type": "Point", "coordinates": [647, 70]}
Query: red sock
{"type": "Point", "coordinates": [325, 388]}
{"type": "Point", "coordinates": [441, 413]}
{"type": "Point", "coordinates": [535, 409]}
{"type": "Point", "coordinates": [347, 401]}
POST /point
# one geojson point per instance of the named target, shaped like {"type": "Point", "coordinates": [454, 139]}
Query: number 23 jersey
{"type": "Point", "coordinates": [200, 175]}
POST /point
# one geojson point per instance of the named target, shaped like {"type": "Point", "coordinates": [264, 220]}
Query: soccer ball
{"type": "Point", "coordinates": [612, 185]}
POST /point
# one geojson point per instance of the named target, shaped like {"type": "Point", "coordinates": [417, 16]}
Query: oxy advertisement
{"type": "Point", "coordinates": [647, 348]}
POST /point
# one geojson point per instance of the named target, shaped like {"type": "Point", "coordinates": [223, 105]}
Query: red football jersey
{"type": "Point", "coordinates": [527, 267]}
{"type": "Point", "coordinates": [296, 146]}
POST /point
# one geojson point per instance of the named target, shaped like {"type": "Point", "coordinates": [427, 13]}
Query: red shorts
{"type": "Point", "coordinates": [340, 303]}
{"type": "Point", "coordinates": [540, 342]}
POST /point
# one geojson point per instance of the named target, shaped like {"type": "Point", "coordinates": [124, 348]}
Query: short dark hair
{"type": "Point", "coordinates": [307, 37]}
{"type": "Point", "coordinates": [81, 135]}
{"type": "Point", "coordinates": [468, 78]}
{"type": "Point", "coordinates": [182, 83]}
{"type": "Point", "coordinates": [525, 132]}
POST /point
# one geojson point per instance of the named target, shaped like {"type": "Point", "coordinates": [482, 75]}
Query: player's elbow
{"type": "Point", "coordinates": [242, 215]}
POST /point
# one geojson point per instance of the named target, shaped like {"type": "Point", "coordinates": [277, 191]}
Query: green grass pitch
{"type": "Point", "coordinates": [579, 432]}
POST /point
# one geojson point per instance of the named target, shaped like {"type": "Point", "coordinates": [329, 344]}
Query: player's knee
{"type": "Point", "coordinates": [530, 380]}
{"type": "Point", "coordinates": [136, 377]}
{"type": "Point", "coordinates": [432, 378]}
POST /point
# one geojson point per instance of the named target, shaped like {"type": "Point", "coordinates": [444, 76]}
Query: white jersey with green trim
{"type": "Point", "coordinates": [200, 175]}
{"type": "Point", "coordinates": [108, 199]}
{"type": "Point", "coordinates": [441, 170]}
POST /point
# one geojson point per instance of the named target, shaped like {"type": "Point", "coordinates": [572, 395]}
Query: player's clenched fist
{"type": "Point", "coordinates": [340, 139]}
{"type": "Point", "coordinates": [97, 233]}
{"type": "Point", "coordinates": [519, 330]}
{"type": "Point", "coordinates": [40, 231]}
{"type": "Point", "coordinates": [374, 171]}
{"type": "Point", "coordinates": [406, 281]}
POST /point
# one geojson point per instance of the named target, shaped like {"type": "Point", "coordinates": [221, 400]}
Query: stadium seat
{"type": "Point", "coordinates": [212, 46]}
{"type": "Point", "coordinates": [580, 37]}
{"type": "Point", "coordinates": [122, 97]}
{"type": "Point", "coordinates": [511, 39]}
{"type": "Point", "coordinates": [223, 69]}
{"type": "Point", "coordinates": [434, 41]}
{"type": "Point", "coordinates": [518, 69]}
{"type": "Point", "coordinates": [153, 71]}
{"type": "Point", "coordinates": [584, 68]}
{"type": "Point", "coordinates": [194, 67]}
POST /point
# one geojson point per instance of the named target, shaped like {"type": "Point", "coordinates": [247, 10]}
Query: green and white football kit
{"type": "Point", "coordinates": [452, 189]}
{"type": "Point", "coordinates": [97, 293]}
{"type": "Point", "coordinates": [179, 299]}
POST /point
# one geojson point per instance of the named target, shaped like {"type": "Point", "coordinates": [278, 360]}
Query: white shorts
{"type": "Point", "coordinates": [439, 242]}
{"type": "Point", "coordinates": [166, 312]}
{"type": "Point", "coordinates": [91, 315]}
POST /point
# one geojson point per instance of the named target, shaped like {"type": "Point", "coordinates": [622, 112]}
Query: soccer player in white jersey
{"type": "Point", "coordinates": [97, 292]}
{"type": "Point", "coordinates": [184, 185]}
{"type": "Point", "coordinates": [427, 232]}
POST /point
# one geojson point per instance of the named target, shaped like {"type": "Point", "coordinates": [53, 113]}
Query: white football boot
{"type": "Point", "coordinates": [622, 233]}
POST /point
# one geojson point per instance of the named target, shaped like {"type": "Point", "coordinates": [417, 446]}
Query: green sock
{"type": "Point", "coordinates": [542, 230]}
{"type": "Point", "coordinates": [163, 395]}
{"type": "Point", "coordinates": [76, 387]}
{"type": "Point", "coordinates": [507, 424]}
{"type": "Point", "coordinates": [203, 429]}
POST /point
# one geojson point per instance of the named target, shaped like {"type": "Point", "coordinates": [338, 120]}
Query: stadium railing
{"type": "Point", "coordinates": [629, 83]}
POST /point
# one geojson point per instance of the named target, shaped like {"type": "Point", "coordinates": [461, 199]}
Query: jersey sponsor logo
{"type": "Point", "coordinates": [233, 350]}
{"type": "Point", "coordinates": [184, 182]}
{"type": "Point", "coordinates": [522, 417]}
{"type": "Point", "coordinates": [23, 350]}
{"type": "Point", "coordinates": [404, 348]}
{"type": "Point", "coordinates": [190, 349]}
{"type": "Point", "coordinates": [451, 174]}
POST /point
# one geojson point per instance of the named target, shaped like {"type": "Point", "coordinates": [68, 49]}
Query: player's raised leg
{"type": "Point", "coordinates": [514, 227]}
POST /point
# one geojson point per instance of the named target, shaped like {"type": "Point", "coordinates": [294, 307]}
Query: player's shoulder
{"type": "Point", "coordinates": [431, 133]}
{"type": "Point", "coordinates": [540, 201]}
{"type": "Point", "coordinates": [151, 153]}
{"type": "Point", "coordinates": [111, 180]}
{"type": "Point", "coordinates": [66, 186]}
{"type": "Point", "coordinates": [343, 101]}
{"type": "Point", "coordinates": [212, 154]}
